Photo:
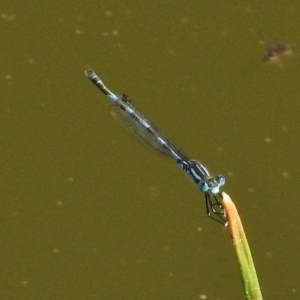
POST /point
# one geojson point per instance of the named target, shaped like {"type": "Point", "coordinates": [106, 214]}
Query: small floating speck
{"type": "Point", "coordinates": [166, 248]}
{"type": "Point", "coordinates": [248, 10]}
{"type": "Point", "coordinates": [24, 282]}
{"type": "Point", "coordinates": [153, 191]}
{"type": "Point", "coordinates": [268, 140]}
{"type": "Point", "coordinates": [7, 76]}
{"type": "Point", "coordinates": [115, 32]}
{"type": "Point", "coordinates": [108, 13]}
{"type": "Point", "coordinates": [70, 179]}
{"type": "Point", "coordinates": [269, 254]}
{"type": "Point", "coordinates": [78, 31]}
{"type": "Point", "coordinates": [184, 20]}
{"type": "Point", "coordinates": [285, 174]}
{"type": "Point", "coordinates": [8, 17]}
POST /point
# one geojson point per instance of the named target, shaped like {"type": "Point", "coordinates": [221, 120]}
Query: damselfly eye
{"type": "Point", "coordinates": [203, 186]}
{"type": "Point", "coordinates": [221, 180]}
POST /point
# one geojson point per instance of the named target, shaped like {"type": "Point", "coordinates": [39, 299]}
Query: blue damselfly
{"type": "Point", "coordinates": [148, 132]}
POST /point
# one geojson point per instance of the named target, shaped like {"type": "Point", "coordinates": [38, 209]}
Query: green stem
{"type": "Point", "coordinates": [249, 276]}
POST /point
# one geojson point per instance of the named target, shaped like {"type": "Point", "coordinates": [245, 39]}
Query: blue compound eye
{"type": "Point", "coordinates": [221, 180]}
{"type": "Point", "coordinates": [203, 186]}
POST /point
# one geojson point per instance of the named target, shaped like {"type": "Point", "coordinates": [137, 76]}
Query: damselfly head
{"type": "Point", "coordinates": [212, 185]}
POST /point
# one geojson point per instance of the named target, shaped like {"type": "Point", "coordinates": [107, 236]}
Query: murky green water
{"type": "Point", "coordinates": [89, 213]}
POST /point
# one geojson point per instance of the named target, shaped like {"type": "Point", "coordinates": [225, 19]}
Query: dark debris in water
{"type": "Point", "coordinates": [277, 53]}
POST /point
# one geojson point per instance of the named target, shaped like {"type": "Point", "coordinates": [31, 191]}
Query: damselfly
{"type": "Point", "coordinates": [147, 131]}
